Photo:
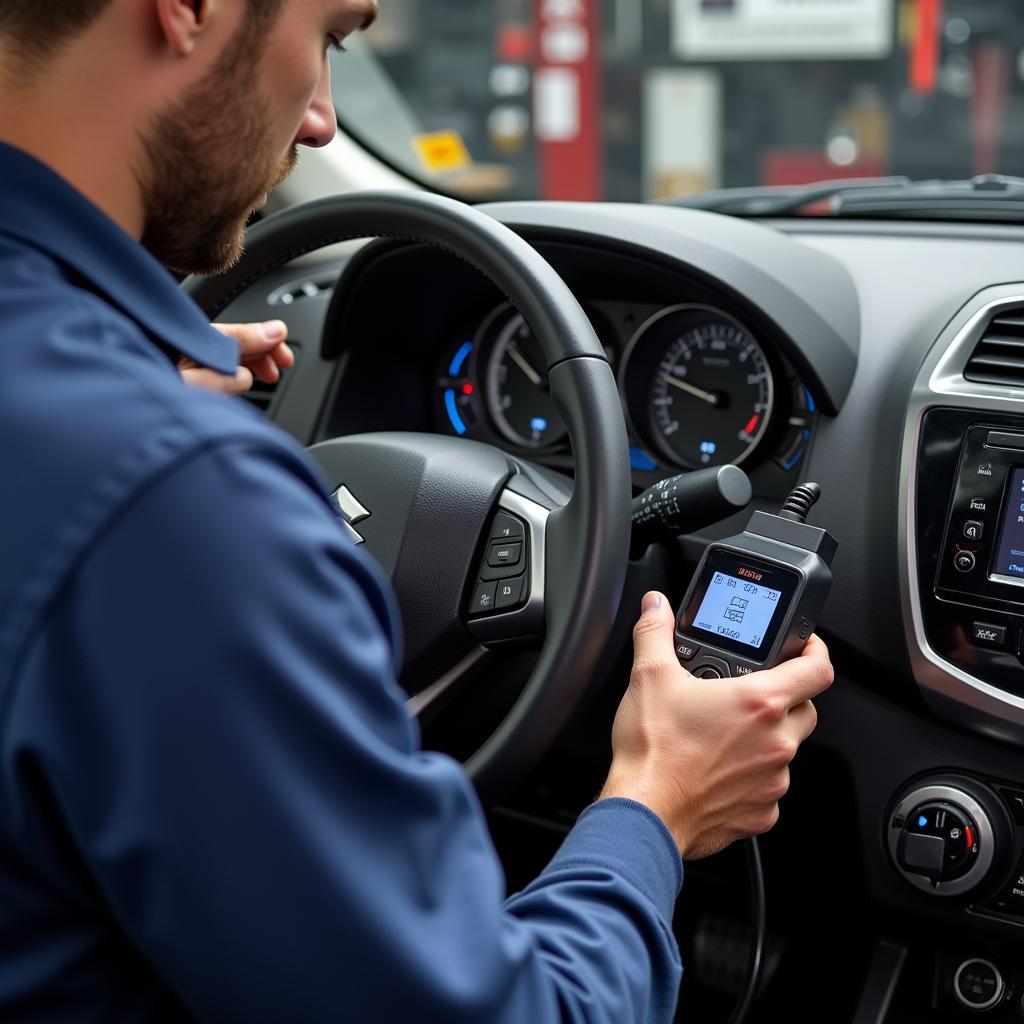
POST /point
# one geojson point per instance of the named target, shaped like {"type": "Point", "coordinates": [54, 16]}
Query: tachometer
{"type": "Point", "coordinates": [516, 385]}
{"type": "Point", "coordinates": [698, 386]}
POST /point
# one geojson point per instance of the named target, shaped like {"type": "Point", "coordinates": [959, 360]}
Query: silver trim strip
{"type": "Point", "coordinates": [940, 382]}
{"type": "Point", "coordinates": [418, 703]}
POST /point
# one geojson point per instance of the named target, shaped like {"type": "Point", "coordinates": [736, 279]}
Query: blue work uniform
{"type": "Point", "coordinates": [213, 803]}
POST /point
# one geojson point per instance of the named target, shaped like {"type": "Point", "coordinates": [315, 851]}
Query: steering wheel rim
{"type": "Point", "coordinates": [588, 538]}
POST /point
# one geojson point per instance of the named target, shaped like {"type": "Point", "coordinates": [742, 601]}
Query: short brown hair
{"type": "Point", "coordinates": [38, 28]}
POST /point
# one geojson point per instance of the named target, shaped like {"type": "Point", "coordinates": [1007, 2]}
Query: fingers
{"type": "Point", "coordinates": [653, 643]}
{"type": "Point", "coordinates": [805, 677]}
{"type": "Point", "coordinates": [261, 347]}
{"type": "Point", "coordinates": [211, 380]}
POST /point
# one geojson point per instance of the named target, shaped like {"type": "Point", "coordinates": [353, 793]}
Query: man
{"type": "Point", "coordinates": [212, 802]}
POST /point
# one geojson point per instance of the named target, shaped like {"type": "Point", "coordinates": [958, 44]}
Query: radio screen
{"type": "Point", "coordinates": [738, 609]}
{"type": "Point", "coordinates": [1009, 562]}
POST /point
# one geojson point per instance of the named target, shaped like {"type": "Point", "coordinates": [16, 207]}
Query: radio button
{"type": "Point", "coordinates": [964, 561]}
{"type": "Point", "coordinates": [1002, 439]}
{"type": "Point", "coordinates": [987, 635]}
{"type": "Point", "coordinates": [973, 529]}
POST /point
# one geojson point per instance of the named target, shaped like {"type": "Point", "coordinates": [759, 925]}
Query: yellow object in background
{"type": "Point", "coordinates": [442, 151]}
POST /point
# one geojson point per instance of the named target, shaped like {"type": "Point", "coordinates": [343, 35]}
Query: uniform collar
{"type": "Point", "coordinates": [42, 210]}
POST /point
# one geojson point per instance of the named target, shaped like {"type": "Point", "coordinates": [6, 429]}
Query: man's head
{"type": "Point", "coordinates": [209, 99]}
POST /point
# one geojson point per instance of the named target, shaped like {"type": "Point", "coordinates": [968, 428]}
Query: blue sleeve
{"type": "Point", "coordinates": [231, 754]}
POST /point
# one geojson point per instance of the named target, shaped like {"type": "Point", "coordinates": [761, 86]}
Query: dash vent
{"type": "Point", "coordinates": [999, 357]}
{"type": "Point", "coordinates": [262, 395]}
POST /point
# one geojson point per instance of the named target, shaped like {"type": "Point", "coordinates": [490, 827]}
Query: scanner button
{"type": "Point", "coordinates": [685, 651]}
{"type": "Point", "coordinates": [707, 672]}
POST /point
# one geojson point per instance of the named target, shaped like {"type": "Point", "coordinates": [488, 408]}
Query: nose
{"type": "Point", "coordinates": [320, 124]}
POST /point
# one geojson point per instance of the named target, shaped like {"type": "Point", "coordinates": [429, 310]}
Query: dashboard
{"type": "Point", "coordinates": [883, 360]}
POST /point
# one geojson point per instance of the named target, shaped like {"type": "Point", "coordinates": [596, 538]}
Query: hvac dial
{"type": "Point", "coordinates": [697, 385]}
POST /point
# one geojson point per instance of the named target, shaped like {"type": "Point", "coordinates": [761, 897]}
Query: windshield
{"type": "Point", "coordinates": [654, 99]}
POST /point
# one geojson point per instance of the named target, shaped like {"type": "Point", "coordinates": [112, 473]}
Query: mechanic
{"type": "Point", "coordinates": [213, 804]}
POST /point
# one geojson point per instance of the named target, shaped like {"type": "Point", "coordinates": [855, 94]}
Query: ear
{"type": "Point", "coordinates": [182, 22]}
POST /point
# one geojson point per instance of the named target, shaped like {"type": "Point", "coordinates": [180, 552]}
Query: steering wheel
{"type": "Point", "coordinates": [479, 551]}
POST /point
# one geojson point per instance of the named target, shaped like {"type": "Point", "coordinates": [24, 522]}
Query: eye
{"type": "Point", "coordinates": [335, 44]}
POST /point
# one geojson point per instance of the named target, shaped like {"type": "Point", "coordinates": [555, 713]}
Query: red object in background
{"type": "Point", "coordinates": [991, 69]}
{"type": "Point", "coordinates": [924, 52]}
{"type": "Point", "coordinates": [514, 44]}
{"type": "Point", "coordinates": [802, 166]}
{"type": "Point", "coordinates": [570, 168]}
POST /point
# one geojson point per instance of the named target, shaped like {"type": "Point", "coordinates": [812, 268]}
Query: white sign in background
{"type": "Point", "coordinates": [795, 29]}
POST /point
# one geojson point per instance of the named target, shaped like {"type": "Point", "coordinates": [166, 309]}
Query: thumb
{"type": "Point", "coordinates": [653, 633]}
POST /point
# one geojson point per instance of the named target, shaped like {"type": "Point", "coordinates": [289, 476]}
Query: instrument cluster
{"type": "Point", "coordinates": [698, 386]}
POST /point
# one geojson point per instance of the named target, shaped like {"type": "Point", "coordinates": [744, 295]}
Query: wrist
{"type": "Point", "coordinates": [628, 786]}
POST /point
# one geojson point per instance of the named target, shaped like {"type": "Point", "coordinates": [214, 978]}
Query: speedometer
{"type": "Point", "coordinates": [698, 386]}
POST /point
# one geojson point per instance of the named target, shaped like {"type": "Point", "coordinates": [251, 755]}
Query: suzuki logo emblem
{"type": "Point", "coordinates": [350, 511]}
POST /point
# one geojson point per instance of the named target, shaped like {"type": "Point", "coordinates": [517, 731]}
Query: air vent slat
{"type": "Point", "coordinates": [1009, 321]}
{"type": "Point", "coordinates": [998, 358]}
{"type": "Point", "coordinates": [1002, 340]}
{"type": "Point", "coordinates": [996, 362]}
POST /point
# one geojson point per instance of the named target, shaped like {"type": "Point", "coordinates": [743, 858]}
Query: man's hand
{"type": "Point", "coordinates": [709, 756]}
{"type": "Point", "coordinates": [263, 353]}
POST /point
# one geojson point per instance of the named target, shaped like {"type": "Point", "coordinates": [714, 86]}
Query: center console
{"type": "Point", "coordinates": [970, 543]}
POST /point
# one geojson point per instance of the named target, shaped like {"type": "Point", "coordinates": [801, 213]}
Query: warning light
{"type": "Point", "coordinates": [467, 389]}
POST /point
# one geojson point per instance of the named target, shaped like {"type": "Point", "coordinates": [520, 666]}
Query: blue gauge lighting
{"type": "Point", "coordinates": [460, 359]}
{"type": "Point", "coordinates": [458, 423]}
{"type": "Point", "coordinates": [639, 459]}
{"type": "Point", "coordinates": [921, 821]}
{"type": "Point", "coordinates": [539, 424]}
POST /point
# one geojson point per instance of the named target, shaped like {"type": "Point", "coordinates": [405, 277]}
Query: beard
{"type": "Point", "coordinates": [209, 164]}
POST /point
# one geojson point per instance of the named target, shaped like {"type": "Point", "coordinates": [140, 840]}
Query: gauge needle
{"type": "Point", "coordinates": [520, 361]}
{"type": "Point", "coordinates": [690, 389]}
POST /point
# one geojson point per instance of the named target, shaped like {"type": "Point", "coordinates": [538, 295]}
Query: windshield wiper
{"type": "Point", "coordinates": [987, 197]}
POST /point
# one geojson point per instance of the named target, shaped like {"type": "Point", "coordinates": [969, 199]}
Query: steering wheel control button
{"type": "Point", "coordinates": [506, 527]}
{"type": "Point", "coordinates": [978, 985]}
{"type": "Point", "coordinates": [985, 634]}
{"type": "Point", "coordinates": [973, 529]}
{"type": "Point", "coordinates": [483, 599]}
{"type": "Point", "coordinates": [504, 554]}
{"type": "Point", "coordinates": [685, 651]}
{"type": "Point", "coordinates": [964, 561]}
{"type": "Point", "coordinates": [509, 593]}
